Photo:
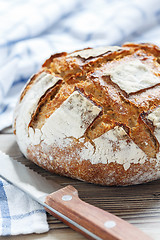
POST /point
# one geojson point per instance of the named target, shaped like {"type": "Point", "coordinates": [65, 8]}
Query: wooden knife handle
{"type": "Point", "coordinates": [101, 224]}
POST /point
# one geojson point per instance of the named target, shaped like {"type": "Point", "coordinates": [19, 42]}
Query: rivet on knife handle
{"type": "Point", "coordinates": [96, 221]}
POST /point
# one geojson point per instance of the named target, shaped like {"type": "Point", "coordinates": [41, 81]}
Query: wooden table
{"type": "Point", "coordinates": [139, 205]}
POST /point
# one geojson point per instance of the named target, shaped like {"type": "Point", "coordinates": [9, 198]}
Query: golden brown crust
{"type": "Point", "coordinates": [104, 174]}
{"type": "Point", "coordinates": [119, 108]}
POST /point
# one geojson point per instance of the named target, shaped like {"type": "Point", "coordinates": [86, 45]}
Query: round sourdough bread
{"type": "Point", "coordinates": [94, 115]}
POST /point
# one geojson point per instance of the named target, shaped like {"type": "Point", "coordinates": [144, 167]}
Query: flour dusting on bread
{"type": "Point", "coordinates": [94, 115]}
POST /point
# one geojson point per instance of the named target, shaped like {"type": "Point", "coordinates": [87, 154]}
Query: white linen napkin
{"type": "Point", "coordinates": [19, 214]}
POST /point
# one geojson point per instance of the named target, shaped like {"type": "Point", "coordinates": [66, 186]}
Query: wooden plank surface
{"type": "Point", "coordinates": [139, 204]}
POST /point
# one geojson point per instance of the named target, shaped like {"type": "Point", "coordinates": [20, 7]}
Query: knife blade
{"type": "Point", "coordinates": [65, 204]}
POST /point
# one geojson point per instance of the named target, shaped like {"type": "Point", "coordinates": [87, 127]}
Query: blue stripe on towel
{"type": "Point", "coordinates": [20, 216]}
{"type": "Point", "coordinates": [6, 220]}
{"type": "Point", "coordinates": [3, 108]}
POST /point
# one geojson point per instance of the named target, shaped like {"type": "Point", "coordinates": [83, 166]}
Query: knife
{"type": "Point", "coordinates": [64, 203]}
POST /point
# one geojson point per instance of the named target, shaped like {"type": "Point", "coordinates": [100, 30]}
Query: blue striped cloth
{"type": "Point", "coordinates": [32, 30]}
{"type": "Point", "coordinates": [19, 214]}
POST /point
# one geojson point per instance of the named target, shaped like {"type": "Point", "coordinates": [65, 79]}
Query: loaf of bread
{"type": "Point", "coordinates": [94, 115]}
